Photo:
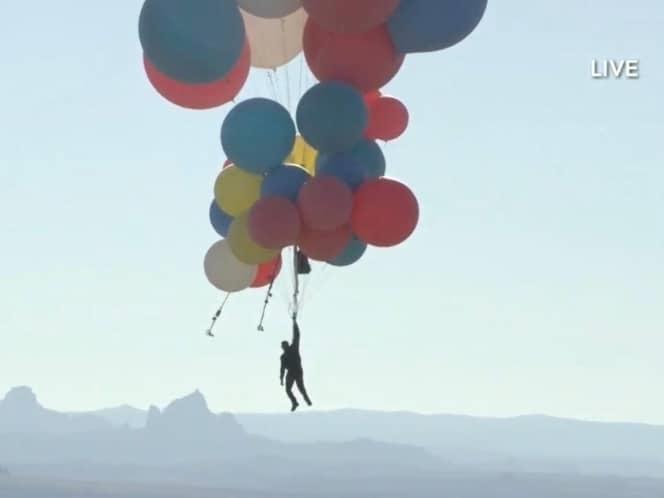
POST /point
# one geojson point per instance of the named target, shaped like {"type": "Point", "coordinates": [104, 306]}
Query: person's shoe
{"type": "Point", "coordinates": [309, 402]}
{"type": "Point", "coordinates": [294, 407]}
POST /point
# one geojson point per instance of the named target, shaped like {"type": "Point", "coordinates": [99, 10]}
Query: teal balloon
{"type": "Point", "coordinates": [332, 117]}
{"type": "Point", "coordinates": [192, 41]}
{"type": "Point", "coordinates": [366, 154]}
{"type": "Point", "coordinates": [431, 25]}
{"type": "Point", "coordinates": [284, 181]}
{"type": "Point", "coordinates": [351, 253]}
{"type": "Point", "coordinates": [257, 135]}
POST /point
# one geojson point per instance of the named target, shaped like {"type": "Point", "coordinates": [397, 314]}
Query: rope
{"type": "Point", "coordinates": [284, 49]}
{"type": "Point", "coordinates": [299, 88]}
{"type": "Point", "coordinates": [296, 288]}
{"type": "Point", "coordinates": [315, 283]}
{"type": "Point", "coordinates": [273, 84]}
{"type": "Point", "coordinates": [216, 316]}
{"type": "Point", "coordinates": [265, 303]}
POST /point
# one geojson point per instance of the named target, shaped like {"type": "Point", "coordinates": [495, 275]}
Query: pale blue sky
{"type": "Point", "coordinates": [534, 282]}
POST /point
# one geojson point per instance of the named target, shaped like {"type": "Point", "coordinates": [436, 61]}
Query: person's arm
{"type": "Point", "coordinates": [296, 335]}
{"type": "Point", "coordinates": [283, 370]}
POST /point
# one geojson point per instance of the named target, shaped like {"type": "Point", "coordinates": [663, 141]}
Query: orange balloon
{"type": "Point", "coordinates": [388, 119]}
{"type": "Point", "coordinates": [372, 96]}
{"type": "Point", "coordinates": [267, 272]}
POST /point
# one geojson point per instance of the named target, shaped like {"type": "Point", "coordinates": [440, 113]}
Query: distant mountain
{"type": "Point", "coordinates": [20, 412]}
{"type": "Point", "coordinates": [464, 438]}
{"type": "Point", "coordinates": [122, 416]}
{"type": "Point", "coordinates": [187, 432]}
{"type": "Point", "coordinates": [529, 443]}
{"type": "Point", "coordinates": [184, 442]}
{"type": "Point", "coordinates": [522, 443]}
{"type": "Point", "coordinates": [185, 429]}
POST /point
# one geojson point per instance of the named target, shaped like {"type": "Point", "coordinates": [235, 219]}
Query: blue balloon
{"type": "Point", "coordinates": [194, 41]}
{"type": "Point", "coordinates": [257, 135]}
{"type": "Point", "coordinates": [366, 154]}
{"type": "Point", "coordinates": [351, 254]}
{"type": "Point", "coordinates": [284, 181]}
{"type": "Point", "coordinates": [345, 169]}
{"type": "Point", "coordinates": [332, 117]}
{"type": "Point", "coordinates": [430, 25]}
{"type": "Point", "coordinates": [221, 222]}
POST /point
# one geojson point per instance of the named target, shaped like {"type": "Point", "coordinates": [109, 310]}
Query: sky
{"type": "Point", "coordinates": [533, 284]}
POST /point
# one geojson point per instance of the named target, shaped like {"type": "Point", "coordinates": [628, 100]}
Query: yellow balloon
{"type": "Point", "coordinates": [243, 247]}
{"type": "Point", "coordinates": [237, 190]}
{"type": "Point", "coordinates": [304, 155]}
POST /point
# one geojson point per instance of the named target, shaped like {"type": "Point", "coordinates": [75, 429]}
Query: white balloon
{"type": "Point", "coordinates": [274, 42]}
{"type": "Point", "coordinates": [225, 271]}
{"type": "Point", "coordinates": [271, 9]}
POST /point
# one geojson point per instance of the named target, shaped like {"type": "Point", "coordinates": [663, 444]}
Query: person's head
{"type": "Point", "coordinates": [285, 345]}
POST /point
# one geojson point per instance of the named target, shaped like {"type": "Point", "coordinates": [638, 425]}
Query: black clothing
{"type": "Point", "coordinates": [291, 359]}
{"type": "Point", "coordinates": [292, 362]}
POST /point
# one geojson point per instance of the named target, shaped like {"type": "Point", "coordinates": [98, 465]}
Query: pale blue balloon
{"type": "Point", "coordinates": [345, 169]}
{"type": "Point", "coordinates": [220, 221]}
{"type": "Point", "coordinates": [332, 117]}
{"type": "Point", "coordinates": [192, 41]}
{"type": "Point", "coordinates": [430, 25]}
{"type": "Point", "coordinates": [284, 181]}
{"type": "Point", "coordinates": [257, 135]}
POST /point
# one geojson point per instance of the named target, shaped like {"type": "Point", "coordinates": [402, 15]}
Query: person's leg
{"type": "Point", "coordinates": [290, 380]}
{"type": "Point", "coordinates": [299, 380]}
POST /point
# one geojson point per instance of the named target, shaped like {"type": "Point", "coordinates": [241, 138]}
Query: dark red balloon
{"type": "Point", "coordinates": [325, 203]}
{"type": "Point", "coordinates": [388, 119]}
{"type": "Point", "coordinates": [350, 16]}
{"type": "Point", "coordinates": [324, 245]}
{"type": "Point", "coordinates": [267, 272]}
{"type": "Point", "coordinates": [385, 212]}
{"type": "Point", "coordinates": [366, 61]}
{"type": "Point", "coordinates": [201, 96]}
{"type": "Point", "coordinates": [274, 223]}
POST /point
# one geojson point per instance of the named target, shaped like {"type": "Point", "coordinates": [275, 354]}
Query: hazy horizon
{"type": "Point", "coordinates": [313, 410]}
{"type": "Point", "coordinates": [184, 447]}
{"type": "Point", "coordinates": [533, 284]}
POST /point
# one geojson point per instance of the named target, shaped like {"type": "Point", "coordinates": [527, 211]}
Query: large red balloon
{"type": "Point", "coordinates": [201, 96]}
{"type": "Point", "coordinates": [350, 16]}
{"type": "Point", "coordinates": [325, 203]}
{"type": "Point", "coordinates": [324, 245]}
{"type": "Point", "coordinates": [267, 272]}
{"type": "Point", "coordinates": [274, 223]}
{"type": "Point", "coordinates": [366, 61]}
{"type": "Point", "coordinates": [388, 119]}
{"type": "Point", "coordinates": [385, 212]}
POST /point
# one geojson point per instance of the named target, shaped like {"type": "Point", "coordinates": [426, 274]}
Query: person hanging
{"type": "Point", "coordinates": [291, 367]}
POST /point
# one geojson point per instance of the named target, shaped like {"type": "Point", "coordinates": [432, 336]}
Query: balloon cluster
{"type": "Point", "coordinates": [316, 181]}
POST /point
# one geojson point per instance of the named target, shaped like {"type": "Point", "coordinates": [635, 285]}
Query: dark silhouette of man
{"type": "Point", "coordinates": [292, 362]}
